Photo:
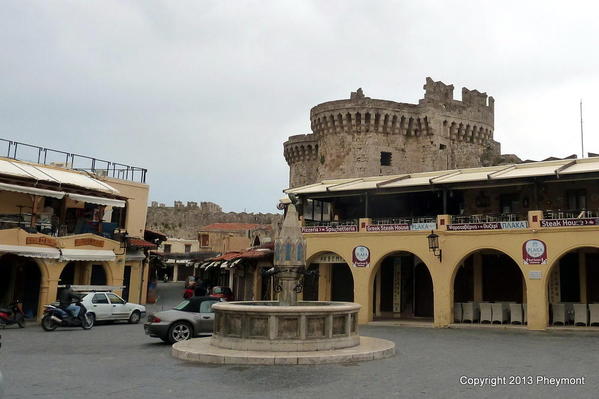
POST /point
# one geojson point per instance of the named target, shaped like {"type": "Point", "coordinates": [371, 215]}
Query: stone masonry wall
{"type": "Point", "coordinates": [348, 136]}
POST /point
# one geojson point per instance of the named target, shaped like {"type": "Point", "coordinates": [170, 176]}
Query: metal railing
{"type": "Point", "coordinates": [346, 222]}
{"type": "Point", "coordinates": [487, 218]}
{"type": "Point", "coordinates": [47, 156]}
{"type": "Point", "coordinates": [570, 214]}
{"type": "Point", "coordinates": [405, 220]}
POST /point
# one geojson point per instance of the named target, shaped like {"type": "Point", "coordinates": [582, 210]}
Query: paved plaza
{"type": "Point", "coordinates": [119, 361]}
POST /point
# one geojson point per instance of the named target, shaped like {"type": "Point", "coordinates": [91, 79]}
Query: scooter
{"type": "Point", "coordinates": [13, 315]}
{"type": "Point", "coordinates": [56, 317]}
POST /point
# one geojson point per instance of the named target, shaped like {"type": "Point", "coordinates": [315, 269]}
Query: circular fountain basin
{"type": "Point", "coordinates": [267, 326]}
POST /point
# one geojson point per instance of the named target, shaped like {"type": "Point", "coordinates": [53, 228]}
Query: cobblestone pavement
{"type": "Point", "coordinates": [119, 361]}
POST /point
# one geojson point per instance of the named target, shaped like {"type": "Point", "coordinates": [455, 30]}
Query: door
{"type": "Point", "coordinates": [119, 307]}
{"type": "Point", "coordinates": [206, 314]}
{"type": "Point", "coordinates": [126, 282]}
{"type": "Point", "coordinates": [101, 307]}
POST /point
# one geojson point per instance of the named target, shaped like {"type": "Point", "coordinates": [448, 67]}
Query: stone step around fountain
{"type": "Point", "coordinates": [200, 350]}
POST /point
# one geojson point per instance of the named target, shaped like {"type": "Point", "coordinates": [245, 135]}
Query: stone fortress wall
{"type": "Point", "coordinates": [349, 137]}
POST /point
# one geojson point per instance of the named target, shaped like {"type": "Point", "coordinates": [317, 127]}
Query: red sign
{"type": "Point", "coordinates": [88, 241]}
{"type": "Point", "coordinates": [361, 256]}
{"type": "Point", "coordinates": [568, 222]}
{"type": "Point", "coordinates": [534, 252]}
{"type": "Point", "coordinates": [330, 229]}
{"type": "Point", "coordinates": [41, 241]}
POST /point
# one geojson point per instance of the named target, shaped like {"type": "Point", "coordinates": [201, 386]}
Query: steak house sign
{"type": "Point", "coordinates": [569, 222]}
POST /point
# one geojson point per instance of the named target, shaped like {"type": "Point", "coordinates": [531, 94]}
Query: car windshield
{"type": "Point", "coordinates": [182, 305]}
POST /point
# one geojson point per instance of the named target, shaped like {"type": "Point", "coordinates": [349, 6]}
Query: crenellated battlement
{"type": "Point", "coordinates": [438, 132]}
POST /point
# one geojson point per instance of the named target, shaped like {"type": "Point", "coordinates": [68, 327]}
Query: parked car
{"type": "Point", "coordinates": [109, 306]}
{"type": "Point", "coordinates": [221, 292]}
{"type": "Point", "coordinates": [190, 318]}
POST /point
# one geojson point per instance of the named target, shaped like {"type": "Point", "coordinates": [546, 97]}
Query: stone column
{"type": "Point", "coordinates": [478, 277]}
{"type": "Point", "coordinates": [582, 272]}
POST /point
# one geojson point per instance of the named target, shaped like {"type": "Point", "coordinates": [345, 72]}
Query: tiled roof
{"type": "Point", "coordinates": [138, 242]}
{"type": "Point", "coordinates": [234, 226]}
{"type": "Point", "coordinates": [253, 253]}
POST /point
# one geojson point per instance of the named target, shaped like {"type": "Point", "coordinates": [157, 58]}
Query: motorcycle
{"type": "Point", "coordinates": [13, 315]}
{"type": "Point", "coordinates": [57, 317]}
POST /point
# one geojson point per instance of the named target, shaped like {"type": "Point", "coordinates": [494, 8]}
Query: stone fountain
{"type": "Point", "coordinates": [285, 331]}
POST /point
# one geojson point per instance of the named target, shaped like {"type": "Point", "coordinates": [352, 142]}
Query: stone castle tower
{"type": "Point", "coordinates": [363, 137]}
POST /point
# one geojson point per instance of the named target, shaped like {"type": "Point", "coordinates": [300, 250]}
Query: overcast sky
{"type": "Point", "coordinates": [204, 93]}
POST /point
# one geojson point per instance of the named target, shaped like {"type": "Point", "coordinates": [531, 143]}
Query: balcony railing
{"type": "Point", "coordinates": [346, 222]}
{"type": "Point", "coordinates": [48, 156]}
{"type": "Point", "coordinates": [47, 226]}
{"type": "Point", "coordinates": [570, 214]}
{"type": "Point", "coordinates": [488, 218]}
{"type": "Point", "coordinates": [405, 220]}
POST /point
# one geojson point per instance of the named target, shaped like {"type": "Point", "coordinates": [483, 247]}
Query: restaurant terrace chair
{"type": "Point", "coordinates": [499, 312]}
{"type": "Point", "coordinates": [516, 313]}
{"type": "Point", "coordinates": [525, 313]}
{"type": "Point", "coordinates": [594, 311]}
{"type": "Point", "coordinates": [470, 312]}
{"type": "Point", "coordinates": [569, 312]}
{"type": "Point", "coordinates": [486, 313]}
{"type": "Point", "coordinates": [581, 314]}
{"type": "Point", "coordinates": [559, 313]}
{"type": "Point", "coordinates": [458, 312]}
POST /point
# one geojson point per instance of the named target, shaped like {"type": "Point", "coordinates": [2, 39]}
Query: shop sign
{"type": "Point", "coordinates": [401, 227]}
{"type": "Point", "coordinates": [328, 257]}
{"type": "Point", "coordinates": [569, 222]}
{"type": "Point", "coordinates": [79, 242]}
{"type": "Point", "coordinates": [361, 256]}
{"type": "Point", "coordinates": [534, 252]}
{"type": "Point", "coordinates": [520, 224]}
{"type": "Point", "coordinates": [330, 229]}
{"type": "Point", "coordinates": [41, 241]}
{"type": "Point", "coordinates": [535, 275]}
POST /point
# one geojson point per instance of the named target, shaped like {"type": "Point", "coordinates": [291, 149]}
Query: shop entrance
{"type": "Point", "coordinates": [342, 283]}
{"type": "Point", "coordinates": [489, 288]}
{"type": "Point", "coordinates": [20, 279]}
{"type": "Point", "coordinates": [573, 289]}
{"type": "Point", "coordinates": [403, 288]}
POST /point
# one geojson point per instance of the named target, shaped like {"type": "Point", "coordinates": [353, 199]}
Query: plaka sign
{"type": "Point", "coordinates": [361, 256]}
{"type": "Point", "coordinates": [534, 252]}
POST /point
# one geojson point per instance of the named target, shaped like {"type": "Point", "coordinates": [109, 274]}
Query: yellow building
{"type": "Point", "coordinates": [225, 237]}
{"type": "Point", "coordinates": [514, 243]}
{"type": "Point", "coordinates": [59, 225]}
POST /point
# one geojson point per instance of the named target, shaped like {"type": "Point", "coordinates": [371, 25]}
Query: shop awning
{"type": "Point", "coordinates": [224, 265]}
{"type": "Point", "coordinates": [32, 190]}
{"type": "Point", "coordinates": [98, 200]}
{"type": "Point", "coordinates": [31, 252]}
{"type": "Point", "coordinates": [135, 255]}
{"type": "Point", "coordinates": [236, 262]}
{"type": "Point", "coordinates": [87, 254]}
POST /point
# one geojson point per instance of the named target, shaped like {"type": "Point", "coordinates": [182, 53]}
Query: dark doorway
{"type": "Point", "coordinates": [593, 278]}
{"type": "Point", "coordinates": [98, 275]}
{"type": "Point", "coordinates": [342, 283]}
{"type": "Point", "coordinates": [502, 279]}
{"type": "Point", "coordinates": [569, 277]}
{"type": "Point", "coordinates": [463, 290]}
{"type": "Point", "coordinates": [126, 282]}
{"type": "Point", "coordinates": [423, 290]}
{"type": "Point", "coordinates": [67, 276]}
{"type": "Point", "coordinates": [311, 283]}
{"type": "Point", "coordinates": [20, 279]}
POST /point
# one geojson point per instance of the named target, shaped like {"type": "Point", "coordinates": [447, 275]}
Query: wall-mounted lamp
{"type": "Point", "coordinates": [433, 245]}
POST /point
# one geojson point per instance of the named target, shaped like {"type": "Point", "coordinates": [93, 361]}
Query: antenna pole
{"type": "Point", "coordinates": [581, 131]}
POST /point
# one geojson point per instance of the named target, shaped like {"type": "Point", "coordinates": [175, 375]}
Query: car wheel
{"type": "Point", "coordinates": [92, 317]}
{"type": "Point", "coordinates": [179, 331]}
{"type": "Point", "coordinates": [135, 317]}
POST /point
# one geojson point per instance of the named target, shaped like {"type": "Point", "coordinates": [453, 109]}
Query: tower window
{"type": "Point", "coordinates": [385, 159]}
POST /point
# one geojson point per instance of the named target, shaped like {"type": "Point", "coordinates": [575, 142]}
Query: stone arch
{"type": "Point", "coordinates": [464, 276]}
{"type": "Point", "coordinates": [423, 295]}
{"type": "Point", "coordinates": [340, 276]}
{"type": "Point", "coordinates": [572, 277]}
{"type": "Point", "coordinates": [22, 278]}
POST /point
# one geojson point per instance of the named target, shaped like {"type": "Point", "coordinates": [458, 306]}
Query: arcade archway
{"type": "Point", "coordinates": [403, 288]}
{"type": "Point", "coordinates": [20, 279]}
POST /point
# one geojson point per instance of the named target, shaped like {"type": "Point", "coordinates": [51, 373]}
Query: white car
{"type": "Point", "coordinates": [109, 306]}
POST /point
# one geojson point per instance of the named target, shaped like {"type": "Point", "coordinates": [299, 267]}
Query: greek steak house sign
{"type": "Point", "coordinates": [534, 252]}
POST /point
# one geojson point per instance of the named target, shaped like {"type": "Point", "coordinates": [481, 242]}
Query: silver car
{"type": "Point", "coordinates": [190, 318]}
